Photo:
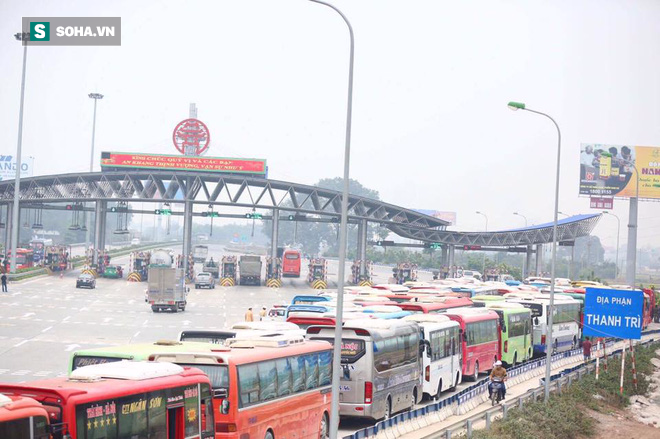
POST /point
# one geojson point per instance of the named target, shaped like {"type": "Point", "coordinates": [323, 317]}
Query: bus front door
{"type": "Point", "coordinates": [175, 423]}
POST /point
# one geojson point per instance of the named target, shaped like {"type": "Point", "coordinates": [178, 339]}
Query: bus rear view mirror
{"type": "Point", "coordinates": [224, 407]}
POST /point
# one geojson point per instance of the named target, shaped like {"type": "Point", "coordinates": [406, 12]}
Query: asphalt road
{"type": "Point", "coordinates": [42, 321]}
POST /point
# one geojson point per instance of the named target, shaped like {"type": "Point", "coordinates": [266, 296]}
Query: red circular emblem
{"type": "Point", "coordinates": [191, 137]}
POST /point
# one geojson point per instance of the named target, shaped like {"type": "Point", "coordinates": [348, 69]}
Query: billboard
{"type": "Point", "coordinates": [118, 160]}
{"type": "Point", "coordinates": [605, 170]}
{"type": "Point", "coordinates": [613, 313]}
{"type": "Point", "coordinates": [8, 167]}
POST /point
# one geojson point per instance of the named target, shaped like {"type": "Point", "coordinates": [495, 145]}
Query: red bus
{"type": "Point", "coordinates": [267, 387]}
{"type": "Point", "coordinates": [291, 263]}
{"type": "Point", "coordinates": [22, 418]}
{"type": "Point", "coordinates": [125, 400]}
{"type": "Point", "coordinates": [24, 258]}
{"type": "Point", "coordinates": [437, 306]}
{"type": "Point", "coordinates": [480, 339]}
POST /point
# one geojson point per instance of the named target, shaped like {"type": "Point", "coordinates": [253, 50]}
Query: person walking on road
{"type": "Point", "coordinates": [249, 317]}
{"type": "Point", "coordinates": [262, 314]}
{"type": "Point", "coordinates": [586, 349]}
{"type": "Point", "coordinates": [3, 278]}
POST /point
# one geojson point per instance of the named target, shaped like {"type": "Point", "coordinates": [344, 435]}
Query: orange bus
{"type": "Point", "coordinates": [24, 258]}
{"type": "Point", "coordinates": [266, 387]}
{"type": "Point", "coordinates": [438, 306]}
{"type": "Point", "coordinates": [125, 400]}
{"type": "Point", "coordinates": [291, 263]}
{"type": "Point", "coordinates": [22, 418]}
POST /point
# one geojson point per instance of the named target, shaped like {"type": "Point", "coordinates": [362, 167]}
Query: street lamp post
{"type": "Point", "coordinates": [524, 217]}
{"type": "Point", "coordinates": [562, 213]}
{"type": "Point", "coordinates": [24, 37]}
{"type": "Point", "coordinates": [336, 354]}
{"type": "Point", "coordinates": [618, 229]}
{"type": "Point", "coordinates": [96, 97]}
{"type": "Point", "coordinates": [548, 359]}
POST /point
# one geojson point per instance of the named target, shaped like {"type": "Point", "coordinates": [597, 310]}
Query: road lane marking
{"type": "Point", "coordinates": [21, 372]}
{"type": "Point", "coordinates": [66, 318]}
{"type": "Point", "coordinates": [21, 343]}
{"type": "Point", "coordinates": [47, 329]}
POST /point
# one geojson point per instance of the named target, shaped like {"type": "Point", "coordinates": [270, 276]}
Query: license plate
{"type": "Point", "coordinates": [344, 388]}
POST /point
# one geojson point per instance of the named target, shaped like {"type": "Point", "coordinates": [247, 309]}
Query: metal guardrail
{"type": "Point", "coordinates": [458, 402]}
{"type": "Point", "coordinates": [557, 382]}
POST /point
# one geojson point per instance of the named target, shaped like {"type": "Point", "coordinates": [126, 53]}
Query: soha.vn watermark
{"type": "Point", "coordinates": [72, 31]}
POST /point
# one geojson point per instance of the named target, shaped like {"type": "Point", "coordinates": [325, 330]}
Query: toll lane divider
{"type": "Point", "coordinates": [465, 400]}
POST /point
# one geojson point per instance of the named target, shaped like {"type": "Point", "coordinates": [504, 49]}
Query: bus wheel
{"type": "Point", "coordinates": [324, 434]}
{"type": "Point", "coordinates": [154, 308]}
{"type": "Point", "coordinates": [388, 409]}
{"type": "Point", "coordinates": [515, 358]}
{"type": "Point", "coordinates": [414, 398]}
{"type": "Point", "coordinates": [475, 376]}
{"type": "Point", "coordinates": [437, 395]}
{"type": "Point", "coordinates": [269, 435]}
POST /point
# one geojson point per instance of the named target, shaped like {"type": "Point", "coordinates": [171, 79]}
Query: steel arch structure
{"type": "Point", "coordinates": [568, 229]}
{"type": "Point", "coordinates": [214, 189]}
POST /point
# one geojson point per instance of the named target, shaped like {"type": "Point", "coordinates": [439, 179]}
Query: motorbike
{"type": "Point", "coordinates": [496, 389]}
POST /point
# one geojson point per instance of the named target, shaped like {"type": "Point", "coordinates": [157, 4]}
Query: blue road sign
{"type": "Point", "coordinates": [613, 313]}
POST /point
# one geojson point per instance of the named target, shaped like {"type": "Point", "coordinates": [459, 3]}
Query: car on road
{"type": "Point", "coordinates": [113, 272]}
{"type": "Point", "coordinates": [204, 280]}
{"type": "Point", "coordinates": [86, 280]}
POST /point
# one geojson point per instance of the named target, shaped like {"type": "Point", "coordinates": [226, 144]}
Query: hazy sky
{"type": "Point", "coordinates": [432, 78]}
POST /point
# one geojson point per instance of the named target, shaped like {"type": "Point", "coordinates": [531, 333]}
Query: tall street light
{"type": "Point", "coordinates": [618, 229]}
{"type": "Point", "coordinates": [24, 37]}
{"type": "Point", "coordinates": [631, 251]}
{"type": "Point", "coordinates": [484, 215]}
{"type": "Point", "coordinates": [336, 354]}
{"type": "Point", "coordinates": [524, 217]}
{"type": "Point", "coordinates": [96, 97]}
{"type": "Point", "coordinates": [548, 359]}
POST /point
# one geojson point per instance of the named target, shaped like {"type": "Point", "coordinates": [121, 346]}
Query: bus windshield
{"type": "Point", "coordinates": [218, 375]}
{"type": "Point", "coordinates": [351, 349]}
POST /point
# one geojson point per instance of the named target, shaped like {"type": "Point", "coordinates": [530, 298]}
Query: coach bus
{"type": "Point", "coordinates": [441, 358]}
{"type": "Point", "coordinates": [565, 322]}
{"type": "Point", "coordinates": [381, 366]}
{"type": "Point", "coordinates": [291, 263]}
{"type": "Point", "coordinates": [480, 341]}
{"type": "Point", "coordinates": [125, 400]}
{"type": "Point", "coordinates": [266, 387]}
{"type": "Point", "coordinates": [134, 352]}
{"type": "Point", "coordinates": [24, 258]}
{"type": "Point", "coordinates": [516, 330]}
{"type": "Point", "coordinates": [22, 418]}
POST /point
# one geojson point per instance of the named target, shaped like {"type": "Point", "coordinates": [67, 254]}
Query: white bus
{"type": "Point", "coordinates": [242, 330]}
{"type": "Point", "coordinates": [565, 322]}
{"type": "Point", "coordinates": [380, 366]}
{"type": "Point", "coordinates": [442, 358]}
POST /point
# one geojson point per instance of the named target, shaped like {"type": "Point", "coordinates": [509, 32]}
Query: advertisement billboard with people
{"type": "Point", "coordinates": [609, 170]}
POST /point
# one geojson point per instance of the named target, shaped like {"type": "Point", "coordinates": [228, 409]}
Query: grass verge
{"type": "Point", "coordinates": [564, 417]}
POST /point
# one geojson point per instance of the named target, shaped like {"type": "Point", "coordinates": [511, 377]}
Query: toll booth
{"type": "Point", "coordinates": [317, 276]}
{"type": "Point", "coordinates": [273, 272]}
{"type": "Point", "coordinates": [362, 279]}
{"type": "Point", "coordinates": [228, 271]}
{"type": "Point", "coordinates": [139, 266]}
{"type": "Point", "coordinates": [405, 272]}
